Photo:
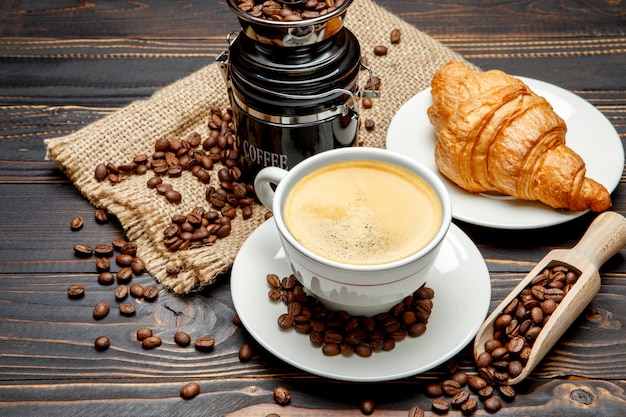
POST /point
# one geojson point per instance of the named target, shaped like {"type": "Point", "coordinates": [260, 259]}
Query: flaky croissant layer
{"type": "Point", "coordinates": [495, 134]}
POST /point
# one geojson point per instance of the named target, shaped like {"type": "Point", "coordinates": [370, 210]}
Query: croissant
{"type": "Point", "coordinates": [495, 134]}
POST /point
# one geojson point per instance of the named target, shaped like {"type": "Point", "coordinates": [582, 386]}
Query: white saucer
{"type": "Point", "coordinates": [589, 133]}
{"type": "Point", "coordinates": [462, 297]}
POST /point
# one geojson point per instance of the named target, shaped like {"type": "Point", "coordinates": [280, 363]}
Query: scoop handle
{"type": "Point", "coordinates": [605, 237]}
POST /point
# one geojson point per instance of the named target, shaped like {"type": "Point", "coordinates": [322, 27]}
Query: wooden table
{"type": "Point", "coordinates": [65, 64]}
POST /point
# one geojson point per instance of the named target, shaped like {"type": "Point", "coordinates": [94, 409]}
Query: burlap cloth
{"type": "Point", "coordinates": [183, 107]}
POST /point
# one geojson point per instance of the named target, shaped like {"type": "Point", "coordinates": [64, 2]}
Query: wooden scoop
{"type": "Point", "coordinates": [604, 238]}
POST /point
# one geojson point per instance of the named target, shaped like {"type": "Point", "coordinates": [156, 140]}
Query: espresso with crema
{"type": "Point", "coordinates": [362, 212]}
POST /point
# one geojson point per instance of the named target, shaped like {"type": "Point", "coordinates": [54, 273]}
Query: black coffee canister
{"type": "Point", "coordinates": [290, 102]}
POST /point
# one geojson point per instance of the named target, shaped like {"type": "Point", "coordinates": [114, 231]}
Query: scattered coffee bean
{"type": "Point", "coordinates": [416, 411]}
{"type": "Point", "coordinates": [440, 405]}
{"type": "Point", "coordinates": [103, 265]}
{"type": "Point", "coordinates": [395, 36]}
{"type": "Point", "coordinates": [101, 310]}
{"type": "Point", "coordinates": [469, 407]}
{"type": "Point", "coordinates": [101, 172]}
{"type": "Point", "coordinates": [102, 343]}
{"type": "Point", "coordinates": [190, 390]}
{"type": "Point", "coordinates": [101, 216]}
{"type": "Point", "coordinates": [492, 405]}
{"type": "Point", "coordinates": [124, 275]}
{"type": "Point", "coordinates": [136, 291]}
{"type": "Point", "coordinates": [143, 333]}
{"type": "Point", "coordinates": [204, 344]}
{"type": "Point", "coordinates": [151, 293]}
{"type": "Point", "coordinates": [77, 223]}
{"type": "Point", "coordinates": [127, 309]}
{"type": "Point", "coordinates": [369, 124]}
{"type": "Point", "coordinates": [124, 259]}
{"type": "Point", "coordinates": [246, 352]}
{"type": "Point", "coordinates": [380, 50]}
{"type": "Point", "coordinates": [367, 407]}
{"type": "Point", "coordinates": [76, 291]}
{"type": "Point", "coordinates": [282, 395]}
{"type": "Point", "coordinates": [367, 102]}
{"type": "Point", "coordinates": [121, 292]}
{"type": "Point", "coordinates": [106, 278]}
{"type": "Point", "coordinates": [83, 251]}
{"type": "Point", "coordinates": [182, 339]}
{"type": "Point", "coordinates": [151, 342]}
{"type": "Point", "coordinates": [433, 390]}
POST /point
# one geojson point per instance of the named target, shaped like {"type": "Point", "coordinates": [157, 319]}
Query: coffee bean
{"type": "Point", "coordinates": [124, 275]}
{"type": "Point", "coordinates": [124, 259]}
{"type": "Point", "coordinates": [395, 36]}
{"type": "Point", "coordinates": [127, 309]}
{"type": "Point", "coordinates": [450, 387]}
{"type": "Point", "coordinates": [173, 196]}
{"type": "Point", "coordinates": [416, 411]}
{"type": "Point", "coordinates": [476, 383]}
{"type": "Point", "coordinates": [151, 342]}
{"type": "Point", "coordinates": [150, 293]}
{"type": "Point", "coordinates": [460, 398]}
{"type": "Point", "coordinates": [433, 390]}
{"type": "Point", "coordinates": [440, 405]}
{"type": "Point", "coordinates": [101, 172]}
{"type": "Point", "coordinates": [492, 405]}
{"type": "Point", "coordinates": [205, 344]}
{"type": "Point", "coordinates": [83, 251]}
{"type": "Point", "coordinates": [182, 339]}
{"type": "Point", "coordinates": [507, 392]}
{"type": "Point", "coordinates": [102, 343]}
{"type": "Point", "coordinates": [137, 266]}
{"type": "Point", "coordinates": [76, 291]}
{"type": "Point", "coordinates": [380, 50]}
{"type": "Point", "coordinates": [106, 278]}
{"type": "Point", "coordinates": [103, 265]}
{"type": "Point", "coordinates": [190, 390]}
{"type": "Point", "coordinates": [246, 352]}
{"type": "Point", "coordinates": [282, 395]}
{"type": "Point", "coordinates": [121, 292]}
{"type": "Point", "coordinates": [101, 310]}
{"type": "Point", "coordinates": [367, 407]}
{"type": "Point", "coordinates": [486, 392]}
{"type": "Point", "coordinates": [77, 223]}
{"type": "Point", "coordinates": [136, 291]}
{"type": "Point", "coordinates": [101, 216]}
{"type": "Point", "coordinates": [143, 333]}
{"type": "Point", "coordinates": [469, 407]}
{"type": "Point", "coordinates": [484, 360]}
{"type": "Point", "coordinates": [369, 124]}
{"type": "Point", "coordinates": [367, 103]}
{"type": "Point", "coordinates": [104, 250]}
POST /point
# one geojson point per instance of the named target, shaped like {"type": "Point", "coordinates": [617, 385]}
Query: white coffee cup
{"type": "Point", "coordinates": [359, 289]}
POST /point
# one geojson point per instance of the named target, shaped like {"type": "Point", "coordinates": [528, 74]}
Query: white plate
{"type": "Point", "coordinates": [462, 288]}
{"type": "Point", "coordinates": [589, 133]}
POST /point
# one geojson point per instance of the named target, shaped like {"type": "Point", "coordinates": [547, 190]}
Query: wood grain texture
{"type": "Point", "coordinates": [67, 63]}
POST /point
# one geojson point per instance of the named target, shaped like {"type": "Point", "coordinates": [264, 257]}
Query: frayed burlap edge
{"type": "Point", "coordinates": [183, 107]}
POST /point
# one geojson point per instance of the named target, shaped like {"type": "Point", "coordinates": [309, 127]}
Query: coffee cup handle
{"type": "Point", "coordinates": [263, 182]}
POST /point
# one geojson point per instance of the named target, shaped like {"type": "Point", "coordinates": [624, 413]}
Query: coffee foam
{"type": "Point", "coordinates": [363, 212]}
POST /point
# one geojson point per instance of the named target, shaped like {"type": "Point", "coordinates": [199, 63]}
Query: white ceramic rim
{"type": "Point", "coordinates": [362, 153]}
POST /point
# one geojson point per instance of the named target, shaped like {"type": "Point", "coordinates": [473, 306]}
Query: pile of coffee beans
{"type": "Point", "coordinates": [337, 332]}
{"type": "Point", "coordinates": [519, 324]}
{"type": "Point", "coordinates": [279, 11]}
{"type": "Point", "coordinates": [215, 155]}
